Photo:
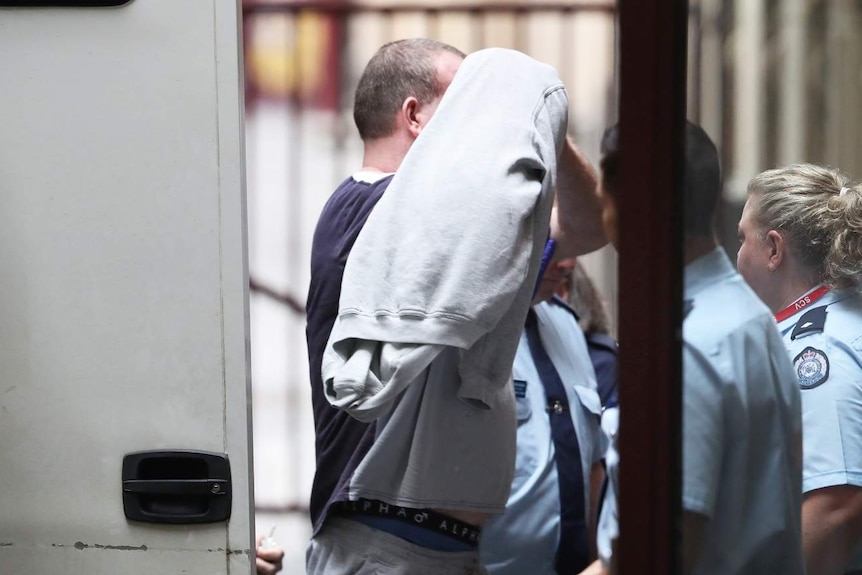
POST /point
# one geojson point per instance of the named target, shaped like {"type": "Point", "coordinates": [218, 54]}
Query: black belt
{"type": "Point", "coordinates": [425, 518]}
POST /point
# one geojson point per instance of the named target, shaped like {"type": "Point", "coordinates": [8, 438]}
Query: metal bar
{"type": "Point", "coordinates": [388, 28]}
{"type": "Point", "coordinates": [433, 18]}
{"type": "Point", "coordinates": [292, 302]}
{"type": "Point", "coordinates": [279, 509]}
{"type": "Point", "coordinates": [791, 101]}
{"type": "Point", "coordinates": [567, 59]}
{"type": "Point", "coordinates": [841, 85]}
{"type": "Point", "coordinates": [522, 37]}
{"type": "Point", "coordinates": [653, 39]}
{"type": "Point", "coordinates": [250, 87]}
{"type": "Point", "coordinates": [748, 102]}
{"type": "Point", "coordinates": [695, 67]}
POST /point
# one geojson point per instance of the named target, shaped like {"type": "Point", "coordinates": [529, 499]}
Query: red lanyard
{"type": "Point", "coordinates": [801, 303]}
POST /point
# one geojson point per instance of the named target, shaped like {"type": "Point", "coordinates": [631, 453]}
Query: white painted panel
{"type": "Point", "coordinates": [123, 298]}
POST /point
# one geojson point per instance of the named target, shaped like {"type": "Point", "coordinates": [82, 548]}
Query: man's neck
{"type": "Point", "coordinates": [788, 292]}
{"type": "Point", "coordinates": [384, 154]}
{"type": "Point", "coordinates": [696, 247]}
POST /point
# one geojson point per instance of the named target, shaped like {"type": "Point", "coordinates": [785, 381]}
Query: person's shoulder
{"type": "Point", "coordinates": [844, 318]}
{"type": "Point", "coordinates": [837, 323]}
{"type": "Point", "coordinates": [826, 338]}
{"type": "Point", "coordinates": [724, 308]}
{"type": "Point", "coordinates": [355, 197]}
{"type": "Point", "coordinates": [599, 341]}
{"type": "Point", "coordinates": [558, 303]}
{"type": "Point", "coordinates": [358, 187]}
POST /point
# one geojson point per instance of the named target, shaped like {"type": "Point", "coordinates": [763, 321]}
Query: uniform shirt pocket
{"type": "Point", "coordinates": [588, 422]}
{"type": "Point", "coordinates": [590, 399]}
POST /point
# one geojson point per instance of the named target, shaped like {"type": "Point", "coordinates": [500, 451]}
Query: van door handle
{"type": "Point", "coordinates": [176, 486]}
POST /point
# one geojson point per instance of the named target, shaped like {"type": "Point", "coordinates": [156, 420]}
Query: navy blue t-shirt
{"type": "Point", "coordinates": [340, 441]}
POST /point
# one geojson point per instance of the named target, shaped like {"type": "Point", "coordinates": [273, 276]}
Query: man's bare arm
{"type": "Point", "coordinates": [831, 528]}
{"type": "Point", "coordinates": [576, 221]}
{"type": "Point", "coordinates": [693, 525]}
{"type": "Point", "coordinates": [597, 477]}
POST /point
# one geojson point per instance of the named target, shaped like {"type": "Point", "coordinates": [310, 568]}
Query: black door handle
{"type": "Point", "coordinates": [176, 486]}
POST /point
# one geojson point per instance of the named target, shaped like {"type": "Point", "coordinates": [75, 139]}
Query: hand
{"type": "Point", "coordinates": [595, 568]}
{"type": "Point", "coordinates": [269, 559]}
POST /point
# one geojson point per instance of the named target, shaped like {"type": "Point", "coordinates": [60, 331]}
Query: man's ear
{"type": "Point", "coordinates": [777, 249]}
{"type": "Point", "coordinates": [409, 115]}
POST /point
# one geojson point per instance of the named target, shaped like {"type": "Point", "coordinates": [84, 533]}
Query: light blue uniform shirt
{"type": "Point", "coordinates": [830, 377]}
{"type": "Point", "coordinates": [741, 429]}
{"type": "Point", "coordinates": [524, 539]}
{"type": "Point", "coordinates": [828, 365]}
{"type": "Point", "coordinates": [608, 525]}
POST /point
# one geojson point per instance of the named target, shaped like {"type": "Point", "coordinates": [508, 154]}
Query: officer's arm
{"type": "Point", "coordinates": [597, 477]}
{"type": "Point", "coordinates": [831, 528]}
{"type": "Point", "coordinates": [576, 221]}
{"type": "Point", "coordinates": [692, 537]}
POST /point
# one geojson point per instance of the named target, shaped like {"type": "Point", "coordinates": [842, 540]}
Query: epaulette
{"type": "Point", "coordinates": [687, 306]}
{"type": "Point", "coordinates": [812, 321]}
{"type": "Point", "coordinates": [603, 340]}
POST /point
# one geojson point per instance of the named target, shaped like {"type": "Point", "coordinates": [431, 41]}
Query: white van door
{"type": "Point", "coordinates": [124, 371]}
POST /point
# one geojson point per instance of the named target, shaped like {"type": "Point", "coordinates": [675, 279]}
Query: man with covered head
{"type": "Point", "coordinates": [417, 298]}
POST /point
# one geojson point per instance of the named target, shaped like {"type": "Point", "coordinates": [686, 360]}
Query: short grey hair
{"type": "Point", "coordinates": [397, 71]}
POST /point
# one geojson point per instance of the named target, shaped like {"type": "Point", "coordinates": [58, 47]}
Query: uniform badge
{"type": "Point", "coordinates": [812, 367]}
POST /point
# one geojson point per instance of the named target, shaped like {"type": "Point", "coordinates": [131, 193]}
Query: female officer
{"type": "Point", "coordinates": [801, 252]}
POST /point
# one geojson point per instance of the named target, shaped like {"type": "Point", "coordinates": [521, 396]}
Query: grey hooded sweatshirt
{"type": "Point", "coordinates": [437, 287]}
